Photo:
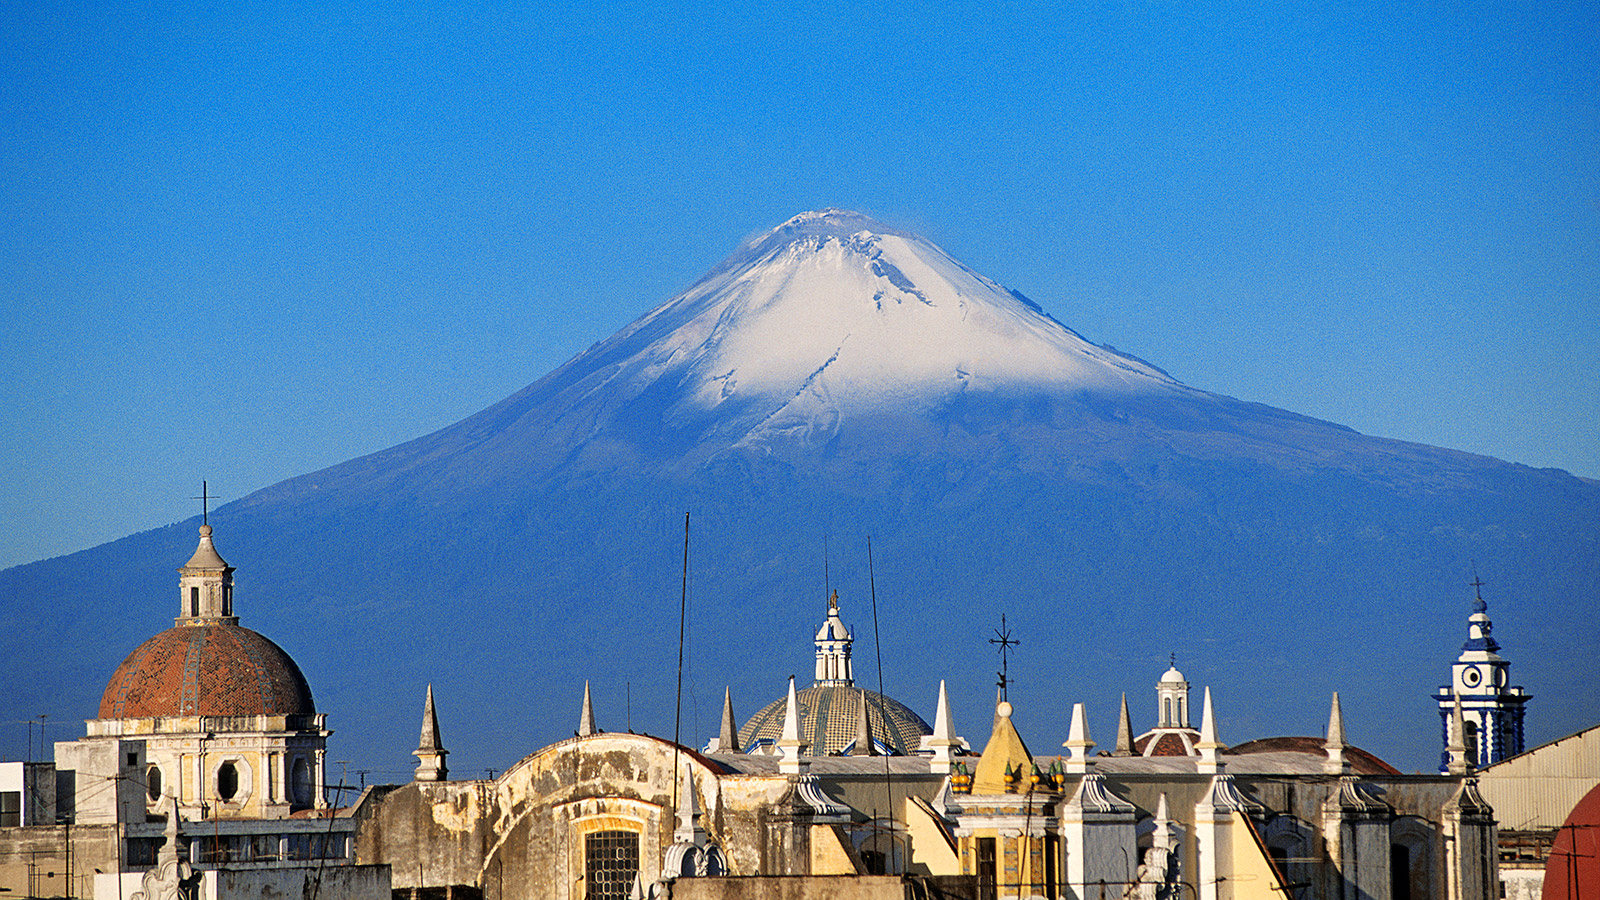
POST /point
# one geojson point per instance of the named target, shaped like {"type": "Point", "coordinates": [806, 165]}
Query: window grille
{"type": "Point", "coordinates": [611, 862]}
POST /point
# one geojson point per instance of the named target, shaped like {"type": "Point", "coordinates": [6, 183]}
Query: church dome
{"type": "Point", "coordinates": [830, 717]}
{"type": "Point", "coordinates": [830, 709]}
{"type": "Point", "coordinates": [212, 669]}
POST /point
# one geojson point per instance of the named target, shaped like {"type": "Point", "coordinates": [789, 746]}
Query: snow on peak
{"type": "Point", "coordinates": [832, 313]}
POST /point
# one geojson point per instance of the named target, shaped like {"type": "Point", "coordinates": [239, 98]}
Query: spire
{"type": "Point", "coordinates": [1078, 743]}
{"type": "Point", "coordinates": [1335, 745]}
{"type": "Point", "coordinates": [1209, 747]}
{"type": "Point", "coordinates": [789, 743]}
{"type": "Point", "coordinates": [205, 586]}
{"type": "Point", "coordinates": [1124, 730]}
{"type": "Point", "coordinates": [863, 745]}
{"type": "Point", "coordinates": [430, 753]}
{"type": "Point", "coordinates": [943, 741]}
{"type": "Point", "coordinates": [728, 736]}
{"type": "Point", "coordinates": [1455, 747]}
{"type": "Point", "coordinates": [586, 724]}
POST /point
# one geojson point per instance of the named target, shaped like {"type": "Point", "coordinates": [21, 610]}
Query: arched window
{"type": "Point", "coordinates": [227, 781]}
{"type": "Point", "coordinates": [1469, 736]}
{"type": "Point", "coordinates": [610, 864]}
{"type": "Point", "coordinates": [1166, 713]}
{"type": "Point", "coordinates": [194, 601]}
{"type": "Point", "coordinates": [300, 787]}
{"type": "Point", "coordinates": [1399, 872]}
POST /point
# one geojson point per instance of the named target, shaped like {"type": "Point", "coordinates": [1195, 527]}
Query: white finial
{"type": "Point", "coordinates": [688, 810]}
{"type": "Point", "coordinates": [1335, 745]}
{"type": "Point", "coordinates": [1165, 836]}
{"type": "Point", "coordinates": [943, 741]}
{"type": "Point", "coordinates": [1209, 746]}
{"type": "Point", "coordinates": [789, 742]}
{"type": "Point", "coordinates": [1078, 743]}
{"type": "Point", "coordinates": [1455, 741]}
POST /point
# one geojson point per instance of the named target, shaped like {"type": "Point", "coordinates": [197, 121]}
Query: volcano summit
{"type": "Point", "coordinates": [833, 379]}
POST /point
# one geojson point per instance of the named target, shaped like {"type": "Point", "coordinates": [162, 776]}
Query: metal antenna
{"type": "Point", "coordinates": [683, 617]}
{"type": "Point", "coordinates": [1002, 639]}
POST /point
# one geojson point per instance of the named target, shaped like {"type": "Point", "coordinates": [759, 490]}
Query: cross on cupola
{"type": "Point", "coordinates": [205, 583]}
{"type": "Point", "coordinates": [833, 648]}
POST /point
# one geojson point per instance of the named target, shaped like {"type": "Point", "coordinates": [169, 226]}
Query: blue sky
{"type": "Point", "coordinates": [241, 242]}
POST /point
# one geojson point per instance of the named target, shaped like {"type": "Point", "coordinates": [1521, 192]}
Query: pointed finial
{"type": "Point", "coordinates": [789, 742]}
{"type": "Point", "coordinates": [688, 810]}
{"type": "Point", "coordinates": [863, 745]}
{"type": "Point", "coordinates": [1165, 835]}
{"type": "Point", "coordinates": [1124, 730]}
{"type": "Point", "coordinates": [430, 752]}
{"type": "Point", "coordinates": [430, 723]}
{"type": "Point", "coordinates": [1078, 743]}
{"type": "Point", "coordinates": [1455, 740]}
{"type": "Point", "coordinates": [1209, 746]}
{"type": "Point", "coordinates": [1335, 724]}
{"type": "Point", "coordinates": [586, 724]}
{"type": "Point", "coordinates": [1335, 745]}
{"type": "Point", "coordinates": [943, 740]}
{"type": "Point", "coordinates": [728, 736]}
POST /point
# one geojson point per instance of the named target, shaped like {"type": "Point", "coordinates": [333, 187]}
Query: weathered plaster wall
{"type": "Point", "coordinates": [523, 834]}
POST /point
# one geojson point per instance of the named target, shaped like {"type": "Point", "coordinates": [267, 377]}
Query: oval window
{"type": "Point", "coordinates": [1471, 677]}
{"type": "Point", "coordinates": [227, 781]}
{"type": "Point", "coordinates": [152, 783]}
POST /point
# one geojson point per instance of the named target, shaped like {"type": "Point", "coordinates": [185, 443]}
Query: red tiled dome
{"type": "Point", "coordinates": [1361, 762]}
{"type": "Point", "coordinates": [207, 670]}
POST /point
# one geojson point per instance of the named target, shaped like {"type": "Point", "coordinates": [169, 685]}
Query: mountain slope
{"type": "Point", "coordinates": [836, 379]}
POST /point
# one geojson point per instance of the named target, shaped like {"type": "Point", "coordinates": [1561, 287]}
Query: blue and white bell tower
{"type": "Point", "coordinates": [1491, 707]}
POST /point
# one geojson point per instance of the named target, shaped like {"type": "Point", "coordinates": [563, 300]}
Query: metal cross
{"type": "Point", "coordinates": [1477, 585]}
{"type": "Point", "coordinates": [205, 503]}
{"type": "Point", "coordinates": [1002, 639]}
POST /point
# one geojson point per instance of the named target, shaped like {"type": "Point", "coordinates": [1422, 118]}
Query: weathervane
{"type": "Point", "coordinates": [1002, 639]}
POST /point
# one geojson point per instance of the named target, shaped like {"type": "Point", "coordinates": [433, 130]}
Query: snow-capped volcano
{"type": "Point", "coordinates": [835, 380]}
{"type": "Point", "coordinates": [832, 314]}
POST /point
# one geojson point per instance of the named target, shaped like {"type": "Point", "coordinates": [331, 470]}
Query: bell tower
{"type": "Point", "coordinates": [1491, 707]}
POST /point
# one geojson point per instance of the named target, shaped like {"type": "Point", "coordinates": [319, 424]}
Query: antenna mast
{"type": "Point", "coordinates": [683, 617]}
